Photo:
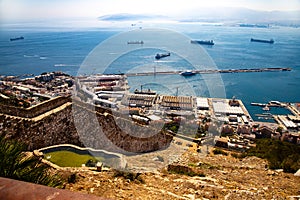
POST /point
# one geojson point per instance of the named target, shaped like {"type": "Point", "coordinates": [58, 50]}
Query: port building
{"type": "Point", "coordinates": [222, 107]}
{"type": "Point", "coordinates": [177, 102]}
{"type": "Point", "coordinates": [138, 100]}
{"type": "Point", "coordinates": [202, 103]}
{"type": "Point", "coordinates": [286, 122]}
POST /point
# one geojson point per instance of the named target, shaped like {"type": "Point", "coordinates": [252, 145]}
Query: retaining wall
{"type": "Point", "coordinates": [83, 126]}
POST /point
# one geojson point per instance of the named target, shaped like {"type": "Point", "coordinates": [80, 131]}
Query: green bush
{"type": "Point", "coordinates": [219, 151]}
{"type": "Point", "coordinates": [129, 175]}
{"type": "Point", "coordinates": [172, 126]}
{"type": "Point", "coordinates": [15, 164]}
{"type": "Point", "coordinates": [72, 178]}
{"type": "Point", "coordinates": [183, 170]}
{"type": "Point", "coordinates": [238, 155]}
{"type": "Point", "coordinates": [280, 155]}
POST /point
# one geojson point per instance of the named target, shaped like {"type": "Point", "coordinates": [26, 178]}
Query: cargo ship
{"type": "Point", "coordinates": [135, 42]}
{"type": "Point", "coordinates": [206, 42]}
{"type": "Point", "coordinates": [254, 25]}
{"type": "Point", "coordinates": [17, 38]}
{"type": "Point", "coordinates": [187, 73]}
{"type": "Point", "coordinates": [162, 55]}
{"type": "Point", "coordinates": [271, 41]}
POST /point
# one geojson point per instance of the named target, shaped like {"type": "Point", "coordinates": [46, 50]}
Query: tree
{"type": "Point", "coordinates": [15, 164]}
{"type": "Point", "coordinates": [279, 154]}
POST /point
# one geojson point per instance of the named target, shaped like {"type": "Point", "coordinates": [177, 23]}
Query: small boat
{"type": "Point", "coordinates": [161, 55]}
{"type": "Point", "coordinates": [267, 113]}
{"type": "Point", "coordinates": [17, 38]}
{"type": "Point", "coordinates": [266, 108]}
{"type": "Point", "coordinates": [258, 104]}
{"type": "Point", "coordinates": [187, 73]}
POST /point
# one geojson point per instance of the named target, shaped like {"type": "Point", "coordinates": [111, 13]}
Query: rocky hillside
{"type": "Point", "coordinates": [192, 177]}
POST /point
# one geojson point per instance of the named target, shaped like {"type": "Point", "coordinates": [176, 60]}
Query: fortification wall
{"type": "Point", "coordinates": [53, 129]}
{"type": "Point", "coordinates": [83, 126]}
{"type": "Point", "coordinates": [34, 110]}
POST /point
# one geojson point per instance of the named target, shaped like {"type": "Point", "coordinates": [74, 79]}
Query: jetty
{"type": "Point", "coordinates": [211, 71]}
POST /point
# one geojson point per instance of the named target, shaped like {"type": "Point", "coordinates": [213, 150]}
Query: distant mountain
{"type": "Point", "coordinates": [242, 15]}
{"type": "Point", "coordinates": [129, 17]}
{"type": "Point", "coordinates": [216, 14]}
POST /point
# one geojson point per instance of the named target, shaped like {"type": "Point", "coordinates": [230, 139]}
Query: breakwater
{"type": "Point", "coordinates": [212, 71]}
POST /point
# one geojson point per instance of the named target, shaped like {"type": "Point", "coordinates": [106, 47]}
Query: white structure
{"type": "Point", "coordinates": [287, 123]}
{"type": "Point", "coordinates": [202, 103]}
{"type": "Point", "coordinates": [223, 107]}
{"type": "Point", "coordinates": [246, 121]}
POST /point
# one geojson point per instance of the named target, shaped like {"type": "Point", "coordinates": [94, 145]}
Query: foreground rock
{"type": "Point", "coordinates": [217, 177]}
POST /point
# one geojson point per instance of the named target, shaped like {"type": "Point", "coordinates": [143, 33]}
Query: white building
{"type": "Point", "coordinates": [222, 107]}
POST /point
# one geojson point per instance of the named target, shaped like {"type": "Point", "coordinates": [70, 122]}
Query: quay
{"type": "Point", "coordinates": [212, 71]}
{"type": "Point", "coordinates": [271, 104]}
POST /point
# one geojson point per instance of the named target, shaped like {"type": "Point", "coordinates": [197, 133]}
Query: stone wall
{"type": "Point", "coordinates": [34, 110]}
{"type": "Point", "coordinates": [87, 126]}
{"type": "Point", "coordinates": [53, 129]}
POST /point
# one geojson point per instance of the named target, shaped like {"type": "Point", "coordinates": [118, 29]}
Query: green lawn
{"type": "Point", "coordinates": [69, 159]}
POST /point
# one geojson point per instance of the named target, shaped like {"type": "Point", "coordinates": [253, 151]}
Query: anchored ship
{"type": "Point", "coordinates": [17, 38]}
{"type": "Point", "coordinates": [206, 42]}
{"type": "Point", "coordinates": [162, 55]}
{"type": "Point", "coordinates": [135, 42]}
{"type": "Point", "coordinates": [187, 73]}
{"type": "Point", "coordinates": [271, 41]}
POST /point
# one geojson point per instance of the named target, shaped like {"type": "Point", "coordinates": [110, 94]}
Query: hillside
{"type": "Point", "coordinates": [219, 177]}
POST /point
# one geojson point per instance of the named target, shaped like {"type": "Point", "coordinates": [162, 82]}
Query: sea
{"type": "Point", "coordinates": [50, 48]}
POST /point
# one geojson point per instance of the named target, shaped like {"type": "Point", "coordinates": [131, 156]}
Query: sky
{"type": "Point", "coordinates": [53, 9]}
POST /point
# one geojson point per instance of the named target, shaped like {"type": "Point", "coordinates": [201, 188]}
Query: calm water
{"type": "Point", "coordinates": [65, 50]}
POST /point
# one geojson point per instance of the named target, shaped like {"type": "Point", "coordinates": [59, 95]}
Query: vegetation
{"type": "Point", "coordinates": [219, 151]}
{"type": "Point", "coordinates": [281, 155]}
{"type": "Point", "coordinates": [184, 170]}
{"type": "Point", "coordinates": [238, 155]}
{"type": "Point", "coordinates": [72, 178]}
{"type": "Point", "coordinates": [71, 159]}
{"type": "Point", "coordinates": [160, 158]}
{"type": "Point", "coordinates": [202, 165]}
{"type": "Point", "coordinates": [129, 176]}
{"type": "Point", "coordinates": [187, 173]}
{"type": "Point", "coordinates": [201, 131]}
{"type": "Point", "coordinates": [172, 126]}
{"type": "Point", "coordinates": [15, 164]}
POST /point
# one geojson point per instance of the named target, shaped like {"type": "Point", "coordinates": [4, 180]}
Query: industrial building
{"type": "Point", "coordinates": [202, 103]}
{"type": "Point", "coordinates": [177, 102]}
{"type": "Point", "coordinates": [222, 107]}
{"type": "Point", "coordinates": [286, 122]}
{"type": "Point", "coordinates": [138, 100]}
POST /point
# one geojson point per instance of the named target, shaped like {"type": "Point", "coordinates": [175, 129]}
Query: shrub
{"type": "Point", "coordinates": [160, 158]}
{"type": "Point", "coordinates": [129, 175]}
{"type": "Point", "coordinates": [238, 155]}
{"type": "Point", "coordinates": [184, 170]}
{"type": "Point", "coordinates": [219, 151]}
{"type": "Point", "coordinates": [15, 164]}
{"type": "Point", "coordinates": [72, 178]}
{"type": "Point", "coordinates": [279, 154]}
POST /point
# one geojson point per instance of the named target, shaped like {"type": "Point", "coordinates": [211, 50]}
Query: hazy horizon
{"type": "Point", "coordinates": [30, 10]}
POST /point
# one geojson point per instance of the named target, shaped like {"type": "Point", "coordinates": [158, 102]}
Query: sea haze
{"type": "Point", "coordinates": [65, 50]}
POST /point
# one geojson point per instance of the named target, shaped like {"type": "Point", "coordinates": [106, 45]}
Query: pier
{"type": "Point", "coordinates": [271, 104]}
{"type": "Point", "coordinates": [211, 71]}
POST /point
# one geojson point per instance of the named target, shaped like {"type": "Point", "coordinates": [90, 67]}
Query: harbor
{"type": "Point", "coordinates": [212, 71]}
